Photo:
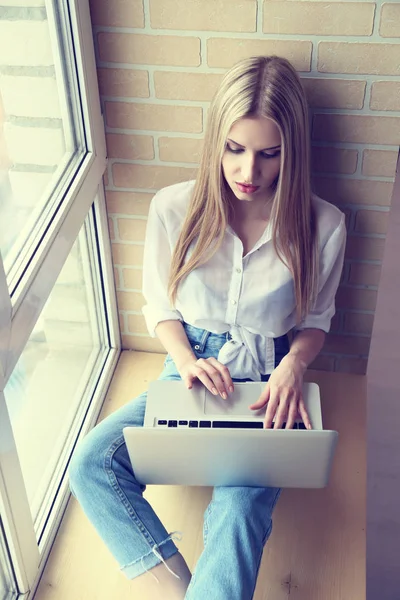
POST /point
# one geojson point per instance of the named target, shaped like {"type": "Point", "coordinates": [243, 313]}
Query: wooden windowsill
{"type": "Point", "coordinates": [317, 547]}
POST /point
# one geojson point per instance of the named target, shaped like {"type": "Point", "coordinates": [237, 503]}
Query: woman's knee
{"type": "Point", "coordinates": [85, 463]}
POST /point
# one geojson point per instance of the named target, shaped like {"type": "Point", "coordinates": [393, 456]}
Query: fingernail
{"type": "Point", "coordinates": [224, 395]}
{"type": "Point", "coordinates": [214, 391]}
{"type": "Point", "coordinates": [231, 389]}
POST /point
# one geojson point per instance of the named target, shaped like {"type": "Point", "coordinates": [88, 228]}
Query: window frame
{"type": "Point", "coordinates": [84, 193]}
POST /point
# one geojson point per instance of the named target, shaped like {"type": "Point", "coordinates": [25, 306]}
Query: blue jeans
{"type": "Point", "coordinates": [237, 522]}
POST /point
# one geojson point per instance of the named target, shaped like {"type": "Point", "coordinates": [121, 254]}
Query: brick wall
{"type": "Point", "coordinates": [159, 62]}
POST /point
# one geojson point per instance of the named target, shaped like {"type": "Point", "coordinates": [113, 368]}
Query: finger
{"type": "Point", "coordinates": [205, 380]}
{"type": "Point", "coordinates": [263, 399]}
{"type": "Point", "coordinates": [282, 412]}
{"type": "Point", "coordinates": [292, 415]}
{"type": "Point", "coordinates": [304, 414]}
{"type": "Point", "coordinates": [215, 377]}
{"type": "Point", "coordinates": [271, 410]}
{"type": "Point", "coordinates": [224, 372]}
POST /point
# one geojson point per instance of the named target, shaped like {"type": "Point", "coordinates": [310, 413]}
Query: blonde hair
{"type": "Point", "coordinates": [257, 87]}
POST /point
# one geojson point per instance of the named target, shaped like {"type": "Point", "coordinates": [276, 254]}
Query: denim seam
{"type": "Point", "coordinates": [121, 495]}
{"type": "Point", "coordinates": [131, 564]}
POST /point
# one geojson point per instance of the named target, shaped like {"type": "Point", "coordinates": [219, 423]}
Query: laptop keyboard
{"type": "Point", "coordinates": [182, 423]}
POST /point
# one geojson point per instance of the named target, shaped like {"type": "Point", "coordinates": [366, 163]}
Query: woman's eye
{"type": "Point", "coordinates": [266, 155]}
{"type": "Point", "coordinates": [234, 150]}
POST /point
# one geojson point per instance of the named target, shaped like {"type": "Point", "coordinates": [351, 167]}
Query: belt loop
{"type": "Point", "coordinates": [202, 344]}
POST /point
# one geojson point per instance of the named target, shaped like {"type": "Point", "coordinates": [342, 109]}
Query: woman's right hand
{"type": "Point", "coordinates": [213, 375]}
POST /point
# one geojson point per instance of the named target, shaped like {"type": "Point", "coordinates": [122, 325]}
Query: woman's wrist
{"type": "Point", "coordinates": [296, 360]}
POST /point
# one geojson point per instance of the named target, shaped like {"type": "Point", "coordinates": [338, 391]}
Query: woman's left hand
{"type": "Point", "coordinates": [283, 395]}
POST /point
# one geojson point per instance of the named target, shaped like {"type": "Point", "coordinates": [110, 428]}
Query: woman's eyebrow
{"type": "Point", "coordinates": [263, 150]}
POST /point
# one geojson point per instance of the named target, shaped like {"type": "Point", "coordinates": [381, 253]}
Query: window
{"type": "Point", "coordinates": [59, 335]}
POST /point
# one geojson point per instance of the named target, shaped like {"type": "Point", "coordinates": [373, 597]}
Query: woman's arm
{"type": "Point", "coordinates": [305, 347]}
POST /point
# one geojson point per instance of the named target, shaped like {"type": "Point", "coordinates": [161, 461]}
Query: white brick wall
{"type": "Point", "coordinates": [34, 145]}
{"type": "Point", "coordinates": [28, 187]}
{"type": "Point", "coordinates": [25, 43]}
{"type": "Point", "coordinates": [30, 96]}
{"type": "Point", "coordinates": [23, 3]}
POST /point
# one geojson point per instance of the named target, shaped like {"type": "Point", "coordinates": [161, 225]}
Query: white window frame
{"type": "Point", "coordinates": [19, 314]}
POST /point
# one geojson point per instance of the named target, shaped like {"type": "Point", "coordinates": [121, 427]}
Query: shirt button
{"type": "Point", "coordinates": [234, 302]}
{"type": "Point", "coordinates": [238, 270]}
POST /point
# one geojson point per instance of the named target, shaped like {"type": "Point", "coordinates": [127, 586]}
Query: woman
{"type": "Point", "coordinates": [233, 262]}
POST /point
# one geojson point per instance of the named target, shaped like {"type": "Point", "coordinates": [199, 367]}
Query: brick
{"type": "Point", "coordinates": [357, 366]}
{"type": "Point", "coordinates": [127, 254]}
{"type": "Point", "coordinates": [180, 149]}
{"type": "Point", "coordinates": [364, 248]}
{"type": "Point", "coordinates": [390, 20]}
{"type": "Point", "coordinates": [385, 95]}
{"type": "Point", "coordinates": [371, 221]}
{"type": "Point", "coordinates": [117, 13]}
{"type": "Point", "coordinates": [117, 279]}
{"type": "Point", "coordinates": [356, 299]}
{"type": "Point", "coordinates": [358, 323]}
{"type": "Point", "coordinates": [130, 301]}
{"type": "Point", "coordinates": [318, 18]}
{"type": "Point", "coordinates": [336, 322]}
{"type": "Point", "coordinates": [30, 96]}
{"type": "Point", "coordinates": [149, 177]}
{"type": "Point", "coordinates": [379, 163]}
{"type": "Point", "coordinates": [128, 203]}
{"type": "Point", "coordinates": [356, 128]}
{"type": "Point", "coordinates": [128, 83]}
{"type": "Point", "coordinates": [200, 87]}
{"type": "Point", "coordinates": [142, 343]}
{"type": "Point", "coordinates": [34, 48]}
{"type": "Point", "coordinates": [34, 145]}
{"type": "Point", "coordinates": [111, 229]}
{"type": "Point", "coordinates": [334, 93]}
{"type": "Point", "coordinates": [132, 279]}
{"type": "Point", "coordinates": [323, 363]}
{"type": "Point", "coordinates": [140, 49]}
{"type": "Point", "coordinates": [364, 274]}
{"type": "Point", "coordinates": [333, 160]}
{"type": "Point", "coordinates": [225, 52]}
{"type": "Point", "coordinates": [132, 230]}
{"type": "Point", "coordinates": [207, 15]}
{"type": "Point", "coordinates": [347, 344]}
{"type": "Point", "coordinates": [136, 324]}
{"type": "Point", "coordinates": [159, 117]}
{"type": "Point", "coordinates": [134, 147]}
{"type": "Point", "coordinates": [353, 191]}
{"type": "Point", "coordinates": [122, 326]}
{"type": "Point", "coordinates": [361, 58]}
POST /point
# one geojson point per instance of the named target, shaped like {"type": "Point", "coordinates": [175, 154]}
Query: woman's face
{"type": "Point", "coordinates": [252, 158]}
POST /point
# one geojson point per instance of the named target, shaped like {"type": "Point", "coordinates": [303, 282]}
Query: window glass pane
{"type": "Point", "coordinates": [49, 388]}
{"type": "Point", "coordinates": [40, 122]}
{"type": "Point", "coordinates": [7, 585]}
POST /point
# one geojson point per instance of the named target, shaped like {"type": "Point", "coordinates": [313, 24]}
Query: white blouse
{"type": "Point", "coordinates": [251, 297]}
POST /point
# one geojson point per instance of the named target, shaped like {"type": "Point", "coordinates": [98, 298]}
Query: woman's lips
{"type": "Point", "coordinates": [247, 189]}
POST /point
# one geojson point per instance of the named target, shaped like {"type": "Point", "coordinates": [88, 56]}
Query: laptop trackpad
{"type": "Point", "coordinates": [237, 403]}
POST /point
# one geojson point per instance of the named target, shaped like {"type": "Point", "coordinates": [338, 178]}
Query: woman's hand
{"type": "Point", "coordinates": [283, 395]}
{"type": "Point", "coordinates": [213, 374]}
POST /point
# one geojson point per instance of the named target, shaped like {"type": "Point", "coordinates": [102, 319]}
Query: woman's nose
{"type": "Point", "coordinates": [249, 168]}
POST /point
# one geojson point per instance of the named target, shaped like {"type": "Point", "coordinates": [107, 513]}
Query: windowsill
{"type": "Point", "coordinates": [318, 540]}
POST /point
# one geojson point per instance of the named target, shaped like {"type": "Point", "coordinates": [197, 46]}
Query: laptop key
{"type": "Point", "coordinates": [205, 423]}
{"type": "Point", "coordinates": [238, 424]}
{"type": "Point", "coordinates": [193, 423]}
{"type": "Point", "coordinates": [161, 422]}
{"type": "Point", "coordinates": [172, 423]}
{"type": "Point", "coordinates": [301, 426]}
{"type": "Point", "coordinates": [183, 422]}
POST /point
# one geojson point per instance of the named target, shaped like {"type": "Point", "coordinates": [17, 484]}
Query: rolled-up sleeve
{"type": "Point", "coordinates": [156, 265]}
{"type": "Point", "coordinates": [330, 270]}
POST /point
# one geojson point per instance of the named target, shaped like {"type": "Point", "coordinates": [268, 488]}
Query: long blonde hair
{"type": "Point", "coordinates": [262, 87]}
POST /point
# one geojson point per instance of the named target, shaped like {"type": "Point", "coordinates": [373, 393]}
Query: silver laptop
{"type": "Point", "coordinates": [191, 437]}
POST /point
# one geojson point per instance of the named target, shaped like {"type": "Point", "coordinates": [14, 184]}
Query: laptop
{"type": "Point", "coordinates": [191, 437]}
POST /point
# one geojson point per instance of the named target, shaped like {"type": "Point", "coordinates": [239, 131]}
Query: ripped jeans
{"type": "Point", "coordinates": [237, 522]}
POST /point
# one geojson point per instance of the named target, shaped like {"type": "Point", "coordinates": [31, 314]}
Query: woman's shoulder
{"type": "Point", "coordinates": [172, 201]}
{"type": "Point", "coordinates": [328, 217]}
